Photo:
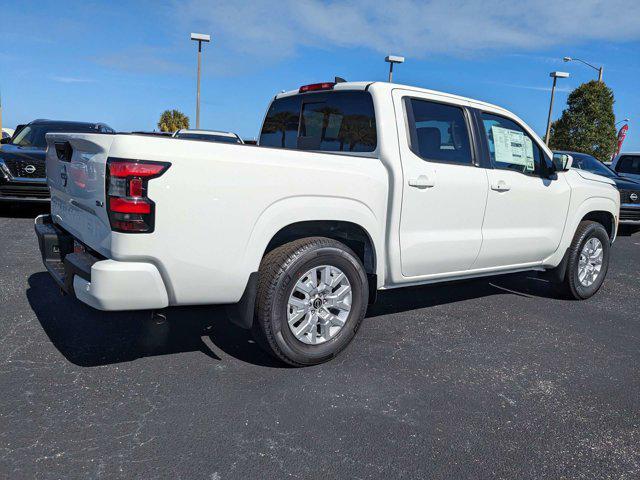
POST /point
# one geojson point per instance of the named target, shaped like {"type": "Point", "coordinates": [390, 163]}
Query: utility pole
{"type": "Point", "coordinates": [199, 37]}
{"type": "Point", "coordinates": [555, 76]}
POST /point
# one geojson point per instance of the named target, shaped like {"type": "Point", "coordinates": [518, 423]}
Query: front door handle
{"type": "Point", "coordinates": [421, 182]}
{"type": "Point", "coordinates": [500, 186]}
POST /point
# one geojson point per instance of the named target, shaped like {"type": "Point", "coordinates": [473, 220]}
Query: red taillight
{"type": "Point", "coordinates": [135, 187]}
{"type": "Point", "coordinates": [316, 86]}
{"type": "Point", "coordinates": [130, 209]}
{"type": "Point", "coordinates": [124, 168]}
{"type": "Point", "coordinates": [123, 205]}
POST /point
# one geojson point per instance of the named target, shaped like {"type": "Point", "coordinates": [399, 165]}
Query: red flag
{"type": "Point", "coordinates": [622, 134]}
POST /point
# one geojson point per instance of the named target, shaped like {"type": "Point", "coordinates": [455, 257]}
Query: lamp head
{"type": "Point", "coordinates": [200, 37]}
{"type": "Point", "coordinates": [394, 59]}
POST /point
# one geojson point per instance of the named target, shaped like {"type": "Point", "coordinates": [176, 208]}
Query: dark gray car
{"type": "Point", "coordinates": [22, 160]}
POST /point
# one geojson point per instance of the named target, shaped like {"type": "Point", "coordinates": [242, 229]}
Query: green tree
{"type": "Point", "coordinates": [588, 124]}
{"type": "Point", "coordinates": [172, 120]}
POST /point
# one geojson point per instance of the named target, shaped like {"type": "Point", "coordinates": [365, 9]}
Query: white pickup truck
{"type": "Point", "coordinates": [353, 188]}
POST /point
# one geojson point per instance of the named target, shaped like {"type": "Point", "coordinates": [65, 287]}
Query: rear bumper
{"type": "Point", "coordinates": [101, 283]}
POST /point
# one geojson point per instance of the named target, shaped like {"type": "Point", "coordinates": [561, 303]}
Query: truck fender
{"type": "Point", "coordinates": [593, 204]}
{"type": "Point", "coordinates": [290, 210]}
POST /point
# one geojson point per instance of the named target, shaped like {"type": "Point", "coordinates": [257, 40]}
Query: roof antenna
{"type": "Point", "coordinates": [339, 80]}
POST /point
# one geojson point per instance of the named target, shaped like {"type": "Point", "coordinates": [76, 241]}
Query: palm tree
{"type": "Point", "coordinates": [357, 129]}
{"type": "Point", "coordinates": [172, 120]}
{"type": "Point", "coordinates": [279, 123]}
{"type": "Point", "coordinates": [327, 112]}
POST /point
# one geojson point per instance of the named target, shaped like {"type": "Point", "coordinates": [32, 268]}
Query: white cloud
{"type": "Point", "coordinates": [267, 30]}
{"type": "Point", "coordinates": [63, 79]}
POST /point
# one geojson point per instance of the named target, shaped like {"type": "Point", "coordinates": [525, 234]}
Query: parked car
{"type": "Point", "coordinates": [208, 136]}
{"type": "Point", "coordinates": [629, 189]}
{"type": "Point", "coordinates": [354, 187]}
{"type": "Point", "coordinates": [627, 165]}
{"type": "Point", "coordinates": [22, 161]}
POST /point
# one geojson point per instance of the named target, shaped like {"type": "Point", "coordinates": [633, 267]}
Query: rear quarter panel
{"type": "Point", "coordinates": [219, 205]}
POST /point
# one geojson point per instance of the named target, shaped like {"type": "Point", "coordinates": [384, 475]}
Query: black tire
{"type": "Point", "coordinates": [570, 286]}
{"type": "Point", "coordinates": [279, 270]}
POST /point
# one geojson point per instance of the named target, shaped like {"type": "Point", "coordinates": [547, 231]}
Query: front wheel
{"type": "Point", "coordinates": [312, 297]}
{"type": "Point", "coordinates": [588, 261]}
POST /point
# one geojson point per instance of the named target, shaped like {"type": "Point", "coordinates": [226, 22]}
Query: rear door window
{"type": "Point", "coordinates": [438, 132]}
{"type": "Point", "coordinates": [325, 121]}
{"type": "Point", "coordinates": [629, 164]}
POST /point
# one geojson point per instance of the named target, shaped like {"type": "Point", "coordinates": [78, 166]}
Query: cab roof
{"type": "Point", "coordinates": [391, 86]}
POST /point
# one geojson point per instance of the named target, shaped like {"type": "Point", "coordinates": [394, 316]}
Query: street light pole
{"type": "Point", "coordinates": [597, 69]}
{"type": "Point", "coordinates": [391, 59]}
{"type": "Point", "coordinates": [555, 76]}
{"type": "Point", "coordinates": [198, 87]}
{"type": "Point", "coordinates": [199, 37]}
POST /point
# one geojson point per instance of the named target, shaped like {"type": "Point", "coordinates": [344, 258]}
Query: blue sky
{"type": "Point", "coordinates": [124, 63]}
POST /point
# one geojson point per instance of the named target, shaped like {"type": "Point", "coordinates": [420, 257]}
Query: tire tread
{"type": "Point", "coordinates": [275, 264]}
{"type": "Point", "coordinates": [569, 287]}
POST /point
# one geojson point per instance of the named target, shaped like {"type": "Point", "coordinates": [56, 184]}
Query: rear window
{"type": "Point", "coordinates": [629, 164]}
{"type": "Point", "coordinates": [325, 121]}
{"type": "Point", "coordinates": [33, 135]}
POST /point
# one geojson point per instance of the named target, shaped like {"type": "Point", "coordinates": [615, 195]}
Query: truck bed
{"type": "Point", "coordinates": [216, 206]}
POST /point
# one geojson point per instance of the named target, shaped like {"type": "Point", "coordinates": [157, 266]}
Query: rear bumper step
{"type": "Point", "coordinates": [100, 283]}
{"type": "Point", "coordinates": [56, 248]}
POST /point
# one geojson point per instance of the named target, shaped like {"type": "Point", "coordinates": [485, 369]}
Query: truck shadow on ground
{"type": "Point", "coordinates": [399, 300]}
{"type": "Point", "coordinates": [87, 337]}
{"type": "Point", "coordinates": [23, 210]}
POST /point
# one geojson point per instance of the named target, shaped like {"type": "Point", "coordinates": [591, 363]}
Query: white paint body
{"type": "Point", "coordinates": [219, 205]}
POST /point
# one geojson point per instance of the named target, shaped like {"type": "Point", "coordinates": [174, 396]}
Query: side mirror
{"type": "Point", "coordinates": [562, 161]}
{"type": "Point", "coordinates": [6, 140]}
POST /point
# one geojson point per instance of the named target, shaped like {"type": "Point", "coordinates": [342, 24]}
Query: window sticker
{"type": "Point", "coordinates": [513, 147]}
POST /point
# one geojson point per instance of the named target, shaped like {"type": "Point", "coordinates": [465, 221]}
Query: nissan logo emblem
{"type": "Point", "coordinates": [634, 197]}
{"type": "Point", "coordinates": [29, 169]}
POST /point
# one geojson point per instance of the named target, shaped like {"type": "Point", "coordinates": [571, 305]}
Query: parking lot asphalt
{"type": "Point", "coordinates": [491, 378]}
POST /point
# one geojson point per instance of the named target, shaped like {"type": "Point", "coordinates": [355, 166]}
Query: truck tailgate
{"type": "Point", "coordinates": [76, 168]}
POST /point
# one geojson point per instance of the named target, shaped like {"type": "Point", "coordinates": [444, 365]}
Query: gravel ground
{"type": "Point", "coordinates": [492, 378]}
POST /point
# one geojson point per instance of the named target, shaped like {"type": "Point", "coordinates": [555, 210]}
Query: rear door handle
{"type": "Point", "coordinates": [421, 182]}
{"type": "Point", "coordinates": [500, 186]}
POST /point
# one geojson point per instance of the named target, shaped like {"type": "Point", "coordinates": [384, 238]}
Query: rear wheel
{"type": "Point", "coordinates": [312, 297]}
{"type": "Point", "coordinates": [588, 261]}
